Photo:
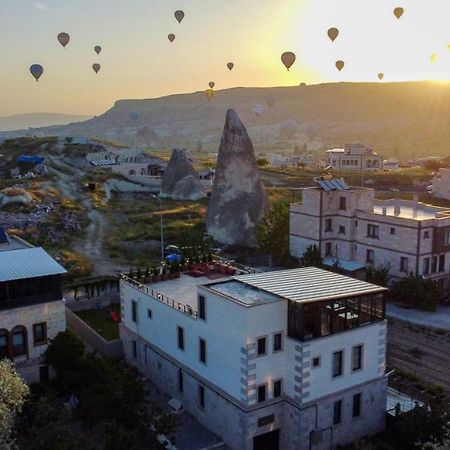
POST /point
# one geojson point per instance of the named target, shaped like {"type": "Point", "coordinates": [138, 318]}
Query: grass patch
{"type": "Point", "coordinates": [100, 320]}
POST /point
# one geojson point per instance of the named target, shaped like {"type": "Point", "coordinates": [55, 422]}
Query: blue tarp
{"type": "Point", "coordinates": [30, 159]}
{"type": "Point", "coordinates": [174, 257]}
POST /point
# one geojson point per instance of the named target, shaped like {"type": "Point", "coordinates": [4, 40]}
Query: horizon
{"type": "Point", "coordinates": [138, 62]}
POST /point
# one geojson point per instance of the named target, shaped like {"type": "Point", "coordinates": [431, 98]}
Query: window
{"type": "Point", "coordinates": [337, 409]}
{"type": "Point", "coordinates": [392, 230]}
{"type": "Point", "coordinates": [262, 393]}
{"type": "Point", "coordinates": [3, 344]}
{"type": "Point", "coordinates": [372, 231]}
{"type": "Point", "coordinates": [277, 389]}
{"type": "Point", "coordinates": [342, 203]}
{"type": "Point", "coordinates": [180, 380]}
{"type": "Point", "coordinates": [337, 363]}
{"type": "Point", "coordinates": [180, 338]}
{"type": "Point", "coordinates": [356, 224]}
{"type": "Point", "coordinates": [19, 341]}
{"type": "Point", "coordinates": [201, 395]}
{"type": "Point", "coordinates": [328, 225]}
{"type": "Point", "coordinates": [341, 229]}
{"type": "Point", "coordinates": [403, 264]}
{"type": "Point", "coordinates": [426, 266]}
{"type": "Point", "coordinates": [356, 405]}
{"type": "Point", "coordinates": [447, 238]}
{"type": "Point", "coordinates": [149, 314]}
{"type": "Point", "coordinates": [357, 353]}
{"type": "Point", "coordinates": [202, 307]}
{"type": "Point", "coordinates": [426, 235]}
{"type": "Point", "coordinates": [434, 262]}
{"type": "Point", "coordinates": [40, 333]}
{"type": "Point", "coordinates": [261, 346]}
{"type": "Point", "coordinates": [328, 249]}
{"type": "Point", "coordinates": [277, 342]}
{"type": "Point", "coordinates": [202, 350]}
{"type": "Point", "coordinates": [134, 310]}
{"type": "Point", "coordinates": [370, 256]}
{"type": "Point", "coordinates": [134, 348]}
{"type": "Point", "coordinates": [441, 263]}
{"type": "Point", "coordinates": [316, 362]}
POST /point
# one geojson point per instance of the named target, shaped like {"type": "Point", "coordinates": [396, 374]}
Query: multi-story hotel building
{"type": "Point", "coordinates": [290, 360]}
{"type": "Point", "coordinates": [354, 157]}
{"type": "Point", "coordinates": [350, 225]}
{"type": "Point", "coordinates": [32, 309]}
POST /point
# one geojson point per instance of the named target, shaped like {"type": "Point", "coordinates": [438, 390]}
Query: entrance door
{"type": "Point", "coordinates": [267, 441]}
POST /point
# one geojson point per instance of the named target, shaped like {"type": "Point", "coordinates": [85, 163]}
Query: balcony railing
{"type": "Point", "coordinates": [185, 309]}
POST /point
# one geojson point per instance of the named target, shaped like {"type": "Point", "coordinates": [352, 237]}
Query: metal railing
{"type": "Point", "coordinates": [185, 309]}
{"type": "Point", "coordinates": [240, 267]}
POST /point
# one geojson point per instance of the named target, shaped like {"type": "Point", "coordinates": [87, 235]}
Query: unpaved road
{"type": "Point", "coordinates": [91, 246]}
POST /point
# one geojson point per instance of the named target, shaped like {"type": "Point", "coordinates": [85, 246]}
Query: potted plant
{"type": "Point", "coordinates": [156, 277]}
{"type": "Point", "coordinates": [147, 277]}
{"type": "Point", "coordinates": [164, 275]}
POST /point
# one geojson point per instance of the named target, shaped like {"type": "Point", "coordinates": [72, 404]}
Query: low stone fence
{"type": "Point", "coordinates": [87, 304]}
{"type": "Point", "coordinates": [108, 349]}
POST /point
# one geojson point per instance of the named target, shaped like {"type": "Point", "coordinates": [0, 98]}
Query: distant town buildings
{"type": "Point", "coordinates": [290, 360]}
{"type": "Point", "coordinates": [113, 156]}
{"type": "Point", "coordinates": [391, 164]}
{"type": "Point", "coordinates": [281, 161]}
{"type": "Point", "coordinates": [349, 225]}
{"type": "Point", "coordinates": [440, 184]}
{"type": "Point", "coordinates": [32, 310]}
{"type": "Point", "coordinates": [354, 157]}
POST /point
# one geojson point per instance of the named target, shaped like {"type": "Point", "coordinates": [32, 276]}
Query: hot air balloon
{"type": "Point", "coordinates": [179, 15]}
{"type": "Point", "coordinates": [97, 49]}
{"type": "Point", "coordinates": [36, 70]}
{"type": "Point", "coordinates": [333, 33]}
{"type": "Point", "coordinates": [380, 76]}
{"type": "Point", "coordinates": [211, 84]}
{"type": "Point", "coordinates": [96, 67]}
{"type": "Point", "coordinates": [63, 39]}
{"type": "Point", "coordinates": [433, 58]}
{"type": "Point", "coordinates": [288, 58]}
{"type": "Point", "coordinates": [209, 94]}
{"type": "Point", "coordinates": [340, 65]}
{"type": "Point", "coordinates": [171, 37]}
{"type": "Point", "coordinates": [230, 66]}
{"type": "Point", "coordinates": [398, 12]}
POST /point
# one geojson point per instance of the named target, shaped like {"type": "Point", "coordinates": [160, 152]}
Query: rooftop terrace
{"type": "Point", "coordinates": [409, 209]}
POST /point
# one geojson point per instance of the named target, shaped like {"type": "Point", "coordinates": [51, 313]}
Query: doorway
{"type": "Point", "coordinates": [267, 441]}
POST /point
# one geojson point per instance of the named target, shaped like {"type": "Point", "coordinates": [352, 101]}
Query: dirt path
{"type": "Point", "coordinates": [91, 247]}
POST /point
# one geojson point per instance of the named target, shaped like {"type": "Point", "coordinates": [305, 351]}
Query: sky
{"type": "Point", "coordinates": [139, 62]}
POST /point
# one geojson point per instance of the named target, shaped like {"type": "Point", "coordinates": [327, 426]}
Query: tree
{"type": "Point", "coordinates": [13, 392]}
{"type": "Point", "coordinates": [378, 275]}
{"type": "Point", "coordinates": [65, 352]}
{"type": "Point", "coordinates": [311, 257]}
{"type": "Point", "coordinates": [417, 292]}
{"type": "Point", "coordinates": [424, 427]}
{"type": "Point", "coordinates": [272, 232]}
{"type": "Point", "coordinates": [262, 162]}
{"type": "Point", "coordinates": [432, 164]}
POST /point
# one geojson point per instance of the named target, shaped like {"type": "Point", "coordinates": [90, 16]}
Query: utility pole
{"type": "Point", "coordinates": [162, 227]}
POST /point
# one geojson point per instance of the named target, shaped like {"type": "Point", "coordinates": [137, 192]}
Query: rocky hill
{"type": "Point", "coordinates": [402, 119]}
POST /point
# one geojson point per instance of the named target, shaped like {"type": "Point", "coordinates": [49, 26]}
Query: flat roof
{"type": "Point", "coordinates": [27, 263]}
{"type": "Point", "coordinates": [308, 284]}
{"type": "Point", "coordinates": [409, 209]}
{"type": "Point", "coordinates": [351, 266]}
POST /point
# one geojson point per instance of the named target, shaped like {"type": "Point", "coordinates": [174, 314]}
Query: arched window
{"type": "Point", "coordinates": [19, 341]}
{"type": "Point", "coordinates": [4, 338]}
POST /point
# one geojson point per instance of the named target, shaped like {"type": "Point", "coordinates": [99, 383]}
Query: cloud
{"type": "Point", "coordinates": [40, 6]}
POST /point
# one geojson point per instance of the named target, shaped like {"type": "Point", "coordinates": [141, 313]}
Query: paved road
{"type": "Point", "coordinates": [438, 319]}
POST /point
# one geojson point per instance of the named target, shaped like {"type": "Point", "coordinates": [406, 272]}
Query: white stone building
{"type": "Point", "coordinates": [289, 360]}
{"type": "Point", "coordinates": [351, 225]}
{"type": "Point", "coordinates": [115, 156]}
{"type": "Point", "coordinates": [32, 309]}
{"type": "Point", "coordinates": [355, 157]}
{"type": "Point", "coordinates": [440, 184]}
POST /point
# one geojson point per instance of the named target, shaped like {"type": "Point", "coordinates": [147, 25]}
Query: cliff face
{"type": "Point", "coordinates": [238, 200]}
{"type": "Point", "coordinates": [180, 181]}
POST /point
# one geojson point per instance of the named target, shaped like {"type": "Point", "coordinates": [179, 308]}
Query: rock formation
{"type": "Point", "coordinates": [238, 200]}
{"type": "Point", "coordinates": [180, 181]}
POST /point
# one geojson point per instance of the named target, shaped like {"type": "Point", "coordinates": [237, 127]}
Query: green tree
{"type": "Point", "coordinates": [272, 232]}
{"type": "Point", "coordinates": [262, 162]}
{"type": "Point", "coordinates": [65, 352]}
{"type": "Point", "coordinates": [432, 164]}
{"type": "Point", "coordinates": [378, 275]}
{"type": "Point", "coordinates": [417, 292]}
{"type": "Point", "coordinates": [13, 393]}
{"type": "Point", "coordinates": [311, 257]}
{"type": "Point", "coordinates": [424, 427]}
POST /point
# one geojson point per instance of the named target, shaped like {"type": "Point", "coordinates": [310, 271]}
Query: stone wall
{"type": "Point", "coordinates": [108, 349]}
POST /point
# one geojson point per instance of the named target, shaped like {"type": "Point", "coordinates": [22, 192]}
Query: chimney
{"type": "Point", "coordinates": [397, 208]}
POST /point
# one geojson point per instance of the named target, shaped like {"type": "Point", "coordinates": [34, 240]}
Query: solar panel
{"type": "Point", "coordinates": [333, 185]}
{"type": "Point", "coordinates": [3, 236]}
